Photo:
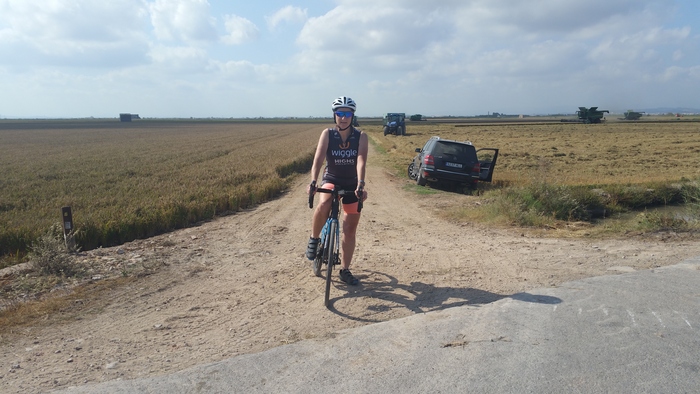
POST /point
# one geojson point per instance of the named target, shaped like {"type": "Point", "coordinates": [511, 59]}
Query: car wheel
{"type": "Point", "coordinates": [411, 171]}
{"type": "Point", "coordinates": [386, 130]}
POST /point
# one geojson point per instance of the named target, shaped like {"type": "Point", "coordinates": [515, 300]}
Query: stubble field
{"type": "Point", "coordinates": [133, 180]}
{"type": "Point", "coordinates": [126, 181]}
{"type": "Point", "coordinates": [571, 154]}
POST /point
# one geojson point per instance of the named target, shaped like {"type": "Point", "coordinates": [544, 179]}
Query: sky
{"type": "Point", "coordinates": [254, 58]}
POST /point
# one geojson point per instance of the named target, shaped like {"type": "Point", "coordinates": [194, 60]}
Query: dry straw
{"type": "Point", "coordinates": [128, 181]}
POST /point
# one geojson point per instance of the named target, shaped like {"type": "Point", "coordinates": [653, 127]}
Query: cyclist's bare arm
{"type": "Point", "coordinates": [361, 163]}
{"type": "Point", "coordinates": [362, 157]}
{"type": "Point", "coordinates": [319, 157]}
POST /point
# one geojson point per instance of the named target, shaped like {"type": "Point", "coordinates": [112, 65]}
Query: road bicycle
{"type": "Point", "coordinates": [328, 252]}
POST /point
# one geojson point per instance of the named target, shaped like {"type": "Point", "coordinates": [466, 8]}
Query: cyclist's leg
{"type": "Point", "coordinates": [347, 244]}
{"type": "Point", "coordinates": [348, 235]}
{"type": "Point", "coordinates": [319, 219]}
{"type": "Point", "coordinates": [322, 211]}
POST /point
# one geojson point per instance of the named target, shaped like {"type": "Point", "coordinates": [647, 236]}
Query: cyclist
{"type": "Point", "coordinates": [344, 149]}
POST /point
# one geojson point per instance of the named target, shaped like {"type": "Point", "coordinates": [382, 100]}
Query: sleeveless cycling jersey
{"type": "Point", "coordinates": [341, 157]}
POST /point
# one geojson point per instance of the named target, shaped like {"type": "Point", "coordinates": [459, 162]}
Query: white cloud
{"type": "Point", "coordinates": [673, 73]}
{"type": "Point", "coordinates": [694, 73]}
{"type": "Point", "coordinates": [678, 55]}
{"type": "Point", "coordinates": [288, 14]}
{"type": "Point", "coordinates": [356, 37]}
{"type": "Point", "coordinates": [182, 20]}
{"type": "Point", "coordinates": [187, 59]}
{"type": "Point", "coordinates": [433, 57]}
{"type": "Point", "coordinates": [485, 37]}
{"type": "Point", "coordinates": [82, 33]}
{"type": "Point", "coordinates": [556, 18]}
{"type": "Point", "coordinates": [648, 46]}
{"type": "Point", "coordinates": [239, 30]}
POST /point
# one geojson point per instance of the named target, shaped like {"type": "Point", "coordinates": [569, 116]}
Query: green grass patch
{"type": "Point", "coordinates": [420, 190]}
{"type": "Point", "coordinates": [543, 204]}
{"type": "Point", "coordinates": [659, 221]}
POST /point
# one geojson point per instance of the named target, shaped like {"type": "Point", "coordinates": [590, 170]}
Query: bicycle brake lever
{"type": "Point", "coordinates": [312, 190]}
{"type": "Point", "coordinates": [359, 199]}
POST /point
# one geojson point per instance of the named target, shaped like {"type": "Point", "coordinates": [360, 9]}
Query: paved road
{"type": "Point", "coordinates": [630, 333]}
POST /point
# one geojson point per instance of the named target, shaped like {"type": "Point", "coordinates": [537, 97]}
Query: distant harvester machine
{"type": "Point", "coordinates": [588, 115]}
{"type": "Point", "coordinates": [591, 115]}
{"type": "Point", "coordinates": [633, 115]}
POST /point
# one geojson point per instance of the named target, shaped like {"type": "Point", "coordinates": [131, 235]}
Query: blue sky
{"type": "Point", "coordinates": [216, 58]}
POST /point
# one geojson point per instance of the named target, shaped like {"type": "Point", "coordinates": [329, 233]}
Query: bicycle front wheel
{"type": "Point", "coordinates": [330, 260]}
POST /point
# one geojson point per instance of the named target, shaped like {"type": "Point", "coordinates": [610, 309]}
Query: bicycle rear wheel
{"type": "Point", "coordinates": [330, 260]}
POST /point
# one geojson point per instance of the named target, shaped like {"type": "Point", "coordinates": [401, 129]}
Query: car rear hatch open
{"type": "Point", "coordinates": [487, 159]}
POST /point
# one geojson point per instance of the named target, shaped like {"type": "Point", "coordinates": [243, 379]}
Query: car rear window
{"type": "Point", "coordinates": [455, 151]}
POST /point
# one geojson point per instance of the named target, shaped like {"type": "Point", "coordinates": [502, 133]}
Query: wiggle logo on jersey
{"type": "Point", "coordinates": [344, 145]}
{"type": "Point", "coordinates": [344, 153]}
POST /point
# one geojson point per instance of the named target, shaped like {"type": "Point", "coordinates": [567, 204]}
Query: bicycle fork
{"type": "Point", "coordinates": [324, 241]}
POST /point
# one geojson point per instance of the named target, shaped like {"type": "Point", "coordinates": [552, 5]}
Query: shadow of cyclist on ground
{"type": "Point", "coordinates": [419, 297]}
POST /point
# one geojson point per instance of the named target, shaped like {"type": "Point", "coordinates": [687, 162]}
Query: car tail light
{"type": "Point", "coordinates": [477, 168]}
{"type": "Point", "coordinates": [428, 160]}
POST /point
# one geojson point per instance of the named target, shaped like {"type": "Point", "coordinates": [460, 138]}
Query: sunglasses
{"type": "Point", "coordinates": [344, 114]}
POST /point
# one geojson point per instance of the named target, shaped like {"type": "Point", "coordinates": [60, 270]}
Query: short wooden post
{"type": "Point", "coordinates": [68, 228]}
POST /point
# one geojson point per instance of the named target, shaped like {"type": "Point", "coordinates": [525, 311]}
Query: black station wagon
{"type": "Point", "coordinates": [442, 160]}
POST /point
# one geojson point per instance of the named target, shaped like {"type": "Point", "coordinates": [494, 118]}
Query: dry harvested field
{"type": "Point", "coordinates": [240, 284]}
{"type": "Point", "coordinates": [131, 180]}
{"type": "Point", "coordinates": [609, 153]}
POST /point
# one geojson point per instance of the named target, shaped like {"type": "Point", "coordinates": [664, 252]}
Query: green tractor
{"type": "Point", "coordinates": [395, 123]}
{"type": "Point", "coordinates": [591, 115]}
{"type": "Point", "coordinates": [633, 115]}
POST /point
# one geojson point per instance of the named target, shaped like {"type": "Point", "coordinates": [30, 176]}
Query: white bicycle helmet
{"type": "Point", "coordinates": [344, 102]}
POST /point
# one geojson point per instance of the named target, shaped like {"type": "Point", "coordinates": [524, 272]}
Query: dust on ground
{"type": "Point", "coordinates": [241, 284]}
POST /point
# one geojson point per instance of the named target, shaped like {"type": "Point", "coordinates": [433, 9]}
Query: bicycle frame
{"type": "Point", "coordinates": [331, 223]}
{"type": "Point", "coordinates": [329, 245]}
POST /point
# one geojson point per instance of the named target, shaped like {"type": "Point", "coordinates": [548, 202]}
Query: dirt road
{"type": "Point", "coordinates": [240, 284]}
